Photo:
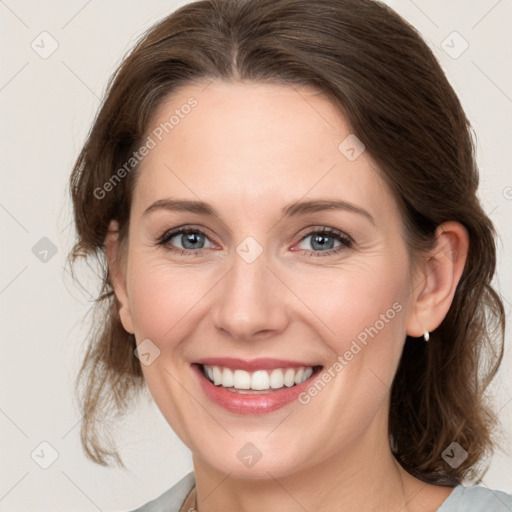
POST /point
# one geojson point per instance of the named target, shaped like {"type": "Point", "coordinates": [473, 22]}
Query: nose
{"type": "Point", "coordinates": [252, 302]}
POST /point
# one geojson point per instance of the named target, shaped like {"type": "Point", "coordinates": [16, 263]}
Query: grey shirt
{"type": "Point", "coordinates": [462, 499]}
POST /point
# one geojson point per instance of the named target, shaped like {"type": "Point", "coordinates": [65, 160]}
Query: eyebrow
{"type": "Point", "coordinates": [291, 210]}
{"type": "Point", "coordinates": [318, 205]}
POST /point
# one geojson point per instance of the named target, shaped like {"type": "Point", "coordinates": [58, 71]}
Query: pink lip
{"type": "Point", "coordinates": [251, 404]}
{"type": "Point", "coordinates": [262, 363]}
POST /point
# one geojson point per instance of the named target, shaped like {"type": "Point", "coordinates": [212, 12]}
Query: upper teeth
{"type": "Point", "coordinates": [258, 380]}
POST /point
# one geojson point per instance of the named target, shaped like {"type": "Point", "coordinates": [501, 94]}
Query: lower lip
{"type": "Point", "coordinates": [250, 403]}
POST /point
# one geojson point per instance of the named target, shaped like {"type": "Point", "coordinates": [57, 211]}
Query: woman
{"type": "Point", "coordinates": [297, 264]}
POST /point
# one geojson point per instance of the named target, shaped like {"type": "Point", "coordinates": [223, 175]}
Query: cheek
{"type": "Point", "coordinates": [356, 302]}
{"type": "Point", "coordinates": [164, 303]}
{"type": "Point", "coordinates": [364, 311]}
{"type": "Point", "coordinates": [163, 297]}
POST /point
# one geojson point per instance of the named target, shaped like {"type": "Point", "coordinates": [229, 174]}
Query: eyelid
{"type": "Point", "coordinates": [345, 240]}
{"type": "Point", "coordinates": [310, 230]}
{"type": "Point", "coordinates": [171, 233]}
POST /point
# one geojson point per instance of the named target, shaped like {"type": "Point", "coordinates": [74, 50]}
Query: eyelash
{"type": "Point", "coordinates": [346, 242]}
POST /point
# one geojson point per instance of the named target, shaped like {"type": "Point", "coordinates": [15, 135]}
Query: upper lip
{"type": "Point", "coordinates": [262, 363]}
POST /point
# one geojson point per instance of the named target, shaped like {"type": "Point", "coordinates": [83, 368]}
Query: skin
{"type": "Point", "coordinates": [249, 150]}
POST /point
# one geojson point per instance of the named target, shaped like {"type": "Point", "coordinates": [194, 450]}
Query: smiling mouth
{"type": "Point", "coordinates": [259, 381]}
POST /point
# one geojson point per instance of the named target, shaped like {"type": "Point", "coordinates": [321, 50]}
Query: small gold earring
{"type": "Point", "coordinates": [426, 336]}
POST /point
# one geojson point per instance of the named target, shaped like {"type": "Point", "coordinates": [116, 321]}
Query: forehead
{"type": "Point", "coordinates": [254, 144]}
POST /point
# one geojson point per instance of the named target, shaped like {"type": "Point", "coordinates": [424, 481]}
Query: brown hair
{"type": "Point", "coordinates": [376, 68]}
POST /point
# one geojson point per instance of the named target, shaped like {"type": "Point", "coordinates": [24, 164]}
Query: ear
{"type": "Point", "coordinates": [437, 279]}
{"type": "Point", "coordinates": [118, 275]}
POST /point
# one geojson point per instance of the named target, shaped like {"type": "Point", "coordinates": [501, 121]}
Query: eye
{"type": "Point", "coordinates": [323, 242]}
{"type": "Point", "coordinates": [188, 241]}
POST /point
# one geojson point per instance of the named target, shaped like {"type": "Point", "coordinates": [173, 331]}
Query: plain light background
{"type": "Point", "coordinates": [47, 106]}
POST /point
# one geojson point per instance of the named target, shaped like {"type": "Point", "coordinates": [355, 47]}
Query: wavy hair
{"type": "Point", "coordinates": [383, 77]}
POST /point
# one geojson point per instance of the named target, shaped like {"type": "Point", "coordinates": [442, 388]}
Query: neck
{"type": "Point", "coordinates": [362, 476]}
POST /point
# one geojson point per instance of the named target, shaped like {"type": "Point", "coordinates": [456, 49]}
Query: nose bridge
{"type": "Point", "coordinates": [249, 299]}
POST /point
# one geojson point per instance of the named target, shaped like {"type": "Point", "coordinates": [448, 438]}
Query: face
{"type": "Point", "coordinates": [266, 280]}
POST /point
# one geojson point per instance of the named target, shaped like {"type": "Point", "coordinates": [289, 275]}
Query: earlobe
{"type": "Point", "coordinates": [438, 278]}
{"type": "Point", "coordinates": [117, 275]}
